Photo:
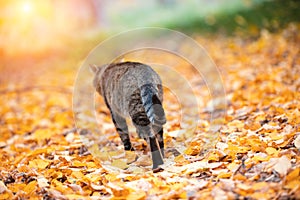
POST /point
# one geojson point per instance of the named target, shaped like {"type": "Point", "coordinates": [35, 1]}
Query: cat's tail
{"type": "Point", "coordinates": [153, 105]}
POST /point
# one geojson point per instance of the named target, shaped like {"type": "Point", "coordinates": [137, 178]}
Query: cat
{"type": "Point", "coordinates": [132, 89]}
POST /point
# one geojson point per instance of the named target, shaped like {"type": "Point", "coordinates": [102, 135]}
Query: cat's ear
{"type": "Point", "coordinates": [93, 68]}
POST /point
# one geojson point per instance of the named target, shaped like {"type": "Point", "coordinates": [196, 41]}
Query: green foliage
{"type": "Point", "coordinates": [230, 17]}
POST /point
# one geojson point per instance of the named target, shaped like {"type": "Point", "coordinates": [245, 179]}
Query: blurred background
{"type": "Point", "coordinates": [37, 27]}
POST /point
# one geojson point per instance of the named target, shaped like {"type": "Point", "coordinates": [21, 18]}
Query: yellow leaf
{"type": "Point", "coordinates": [119, 191]}
{"type": "Point", "coordinates": [91, 165]}
{"type": "Point", "coordinates": [263, 195]}
{"type": "Point", "coordinates": [245, 187]}
{"type": "Point", "coordinates": [63, 119]}
{"type": "Point", "coordinates": [29, 188]}
{"type": "Point", "coordinates": [179, 158]}
{"type": "Point", "coordinates": [243, 149]}
{"type": "Point", "coordinates": [233, 166]}
{"type": "Point", "coordinates": [111, 177]}
{"type": "Point", "coordinates": [294, 185]}
{"type": "Point", "coordinates": [59, 186]}
{"type": "Point", "coordinates": [239, 177]}
{"type": "Point", "coordinates": [271, 151]}
{"type": "Point", "coordinates": [75, 196]}
{"type": "Point", "coordinates": [39, 163]}
{"type": "Point", "coordinates": [237, 124]}
{"type": "Point", "coordinates": [42, 134]}
{"type": "Point", "coordinates": [130, 156]}
{"type": "Point", "coordinates": [117, 154]}
{"type": "Point", "coordinates": [138, 195]}
{"type": "Point", "coordinates": [213, 157]}
{"type": "Point", "coordinates": [259, 158]}
{"type": "Point", "coordinates": [224, 175]}
{"type": "Point", "coordinates": [119, 163]}
{"type": "Point", "coordinates": [192, 150]}
{"type": "Point", "coordinates": [94, 149]}
{"type": "Point", "coordinates": [97, 194]}
{"type": "Point", "coordinates": [77, 174]}
{"type": "Point", "coordinates": [295, 174]}
{"type": "Point", "coordinates": [41, 151]}
{"type": "Point", "coordinates": [77, 163]}
{"type": "Point", "coordinates": [5, 196]}
{"type": "Point", "coordinates": [15, 187]}
{"type": "Point", "coordinates": [260, 185]}
{"type": "Point", "coordinates": [103, 156]}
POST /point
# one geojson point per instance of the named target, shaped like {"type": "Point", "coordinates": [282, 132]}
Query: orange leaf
{"type": "Point", "coordinates": [39, 163]}
{"type": "Point", "coordinates": [30, 187]}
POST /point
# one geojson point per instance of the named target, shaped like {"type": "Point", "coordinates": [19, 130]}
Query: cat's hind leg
{"type": "Point", "coordinates": [159, 134]}
{"type": "Point", "coordinates": [157, 153]}
{"type": "Point", "coordinates": [122, 129]}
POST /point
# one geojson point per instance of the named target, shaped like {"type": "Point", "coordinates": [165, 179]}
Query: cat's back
{"type": "Point", "coordinates": [130, 73]}
{"type": "Point", "coordinates": [123, 81]}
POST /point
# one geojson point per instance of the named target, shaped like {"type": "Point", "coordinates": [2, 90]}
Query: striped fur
{"type": "Point", "coordinates": [132, 89]}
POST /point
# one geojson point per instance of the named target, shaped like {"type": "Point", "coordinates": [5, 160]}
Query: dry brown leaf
{"type": "Point", "coordinates": [3, 188]}
{"type": "Point", "coordinates": [281, 165]}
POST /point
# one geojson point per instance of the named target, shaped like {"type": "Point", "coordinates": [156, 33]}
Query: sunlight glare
{"type": "Point", "coordinates": [27, 7]}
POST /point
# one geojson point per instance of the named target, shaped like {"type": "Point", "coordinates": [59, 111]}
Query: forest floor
{"type": "Point", "coordinates": [256, 155]}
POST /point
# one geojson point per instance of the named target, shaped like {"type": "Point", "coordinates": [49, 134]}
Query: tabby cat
{"type": "Point", "coordinates": [134, 89]}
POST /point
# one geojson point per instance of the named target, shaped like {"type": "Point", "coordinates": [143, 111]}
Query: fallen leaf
{"type": "Point", "coordinates": [271, 151]}
{"type": "Point", "coordinates": [218, 193]}
{"type": "Point", "coordinates": [130, 156]}
{"type": "Point", "coordinates": [143, 161]}
{"type": "Point", "coordinates": [5, 196]}
{"type": "Point", "coordinates": [176, 133]}
{"type": "Point", "coordinates": [119, 163]}
{"type": "Point", "coordinates": [30, 187]}
{"type": "Point", "coordinates": [39, 163]}
{"type": "Point", "coordinates": [42, 181]}
{"type": "Point", "coordinates": [283, 164]}
{"type": "Point", "coordinates": [118, 191]}
{"type": "Point", "coordinates": [3, 188]}
{"type": "Point", "coordinates": [222, 146]}
{"type": "Point", "coordinates": [297, 141]}
{"type": "Point", "coordinates": [77, 163]}
{"type": "Point", "coordinates": [137, 195]}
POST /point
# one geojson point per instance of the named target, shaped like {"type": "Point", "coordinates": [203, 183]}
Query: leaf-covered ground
{"type": "Point", "coordinates": [257, 155]}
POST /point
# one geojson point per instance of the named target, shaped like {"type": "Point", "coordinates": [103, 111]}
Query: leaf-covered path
{"type": "Point", "coordinates": [257, 155]}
